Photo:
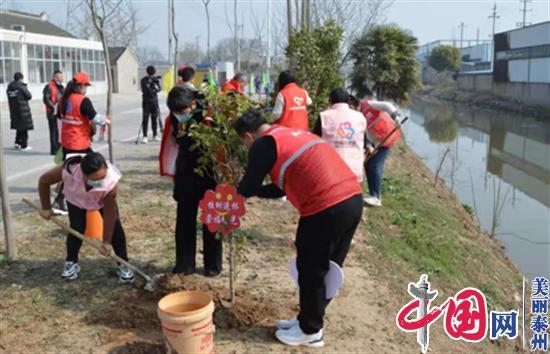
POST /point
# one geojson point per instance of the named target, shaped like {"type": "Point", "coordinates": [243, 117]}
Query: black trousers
{"type": "Point", "coordinates": [150, 109]}
{"type": "Point", "coordinates": [186, 239]}
{"type": "Point", "coordinates": [54, 135]}
{"type": "Point", "coordinates": [22, 138]}
{"type": "Point", "coordinates": [322, 237]}
{"type": "Point", "coordinates": [77, 220]}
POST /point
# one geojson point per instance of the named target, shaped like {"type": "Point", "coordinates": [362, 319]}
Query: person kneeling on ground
{"type": "Point", "coordinates": [189, 187]}
{"type": "Point", "coordinates": [90, 183]}
{"type": "Point", "coordinates": [328, 197]}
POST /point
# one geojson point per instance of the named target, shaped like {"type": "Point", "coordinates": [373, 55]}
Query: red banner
{"type": "Point", "coordinates": [222, 208]}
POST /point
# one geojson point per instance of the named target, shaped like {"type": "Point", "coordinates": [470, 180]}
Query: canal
{"type": "Point", "coordinates": [498, 164]}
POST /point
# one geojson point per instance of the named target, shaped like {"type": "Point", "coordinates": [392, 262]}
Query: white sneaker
{"type": "Point", "coordinates": [294, 336]}
{"type": "Point", "coordinates": [372, 201]}
{"type": "Point", "coordinates": [28, 148]}
{"type": "Point", "coordinates": [144, 140]}
{"type": "Point", "coordinates": [156, 138]}
{"type": "Point", "coordinates": [125, 275]}
{"type": "Point", "coordinates": [287, 324]}
{"type": "Point", "coordinates": [70, 271]}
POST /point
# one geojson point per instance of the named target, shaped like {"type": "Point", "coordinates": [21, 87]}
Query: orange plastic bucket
{"type": "Point", "coordinates": [187, 323]}
{"type": "Point", "coordinates": [94, 225]}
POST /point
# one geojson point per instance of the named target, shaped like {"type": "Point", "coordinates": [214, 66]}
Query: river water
{"type": "Point", "coordinates": [499, 164]}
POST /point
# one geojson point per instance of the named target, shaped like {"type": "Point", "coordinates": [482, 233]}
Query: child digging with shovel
{"type": "Point", "coordinates": [89, 184]}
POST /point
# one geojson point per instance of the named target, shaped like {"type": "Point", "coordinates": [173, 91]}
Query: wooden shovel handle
{"type": "Point", "coordinates": [95, 244]}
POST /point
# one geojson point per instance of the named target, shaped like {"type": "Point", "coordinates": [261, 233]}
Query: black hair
{"type": "Point", "coordinates": [18, 76]}
{"type": "Point", "coordinates": [69, 90]}
{"type": "Point", "coordinates": [179, 99]}
{"type": "Point", "coordinates": [238, 76]}
{"type": "Point", "coordinates": [339, 95]}
{"type": "Point", "coordinates": [151, 70]}
{"type": "Point", "coordinates": [354, 101]}
{"type": "Point", "coordinates": [92, 162]}
{"type": "Point", "coordinates": [285, 77]}
{"type": "Point", "coordinates": [55, 72]}
{"type": "Point", "coordinates": [249, 122]}
{"type": "Point", "coordinates": [186, 73]}
{"type": "Point", "coordinates": [89, 163]}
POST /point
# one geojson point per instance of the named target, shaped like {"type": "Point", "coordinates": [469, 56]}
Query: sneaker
{"type": "Point", "coordinates": [17, 147]}
{"type": "Point", "coordinates": [59, 212]}
{"type": "Point", "coordinates": [28, 148]}
{"type": "Point", "coordinates": [70, 271]}
{"type": "Point", "coordinates": [372, 201]}
{"type": "Point", "coordinates": [294, 336]}
{"type": "Point", "coordinates": [156, 138]}
{"type": "Point", "coordinates": [125, 275]}
{"type": "Point", "coordinates": [287, 324]}
{"type": "Point", "coordinates": [144, 141]}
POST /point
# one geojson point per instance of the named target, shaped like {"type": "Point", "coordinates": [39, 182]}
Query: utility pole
{"type": "Point", "coordinates": [524, 10]}
{"type": "Point", "coordinates": [11, 247]}
{"type": "Point", "coordinates": [169, 30]}
{"type": "Point", "coordinates": [462, 25]}
{"type": "Point", "coordinates": [236, 40]}
{"type": "Point", "coordinates": [494, 17]}
{"type": "Point", "coordinates": [268, 54]}
{"type": "Point", "coordinates": [477, 36]}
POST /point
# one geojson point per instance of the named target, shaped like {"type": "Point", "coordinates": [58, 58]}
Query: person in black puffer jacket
{"type": "Point", "coordinates": [20, 111]}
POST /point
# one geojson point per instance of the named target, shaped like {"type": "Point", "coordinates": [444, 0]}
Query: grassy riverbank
{"type": "Point", "coordinates": [420, 229]}
{"type": "Point", "coordinates": [482, 100]}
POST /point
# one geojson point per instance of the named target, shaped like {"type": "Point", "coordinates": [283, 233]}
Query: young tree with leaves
{"type": "Point", "coordinates": [385, 63]}
{"type": "Point", "coordinates": [445, 57]}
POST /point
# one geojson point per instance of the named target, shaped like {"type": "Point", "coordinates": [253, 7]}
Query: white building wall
{"type": "Point", "coordinates": [127, 73]}
{"type": "Point", "coordinates": [530, 36]}
{"type": "Point", "coordinates": [25, 38]}
{"type": "Point", "coordinates": [539, 70]}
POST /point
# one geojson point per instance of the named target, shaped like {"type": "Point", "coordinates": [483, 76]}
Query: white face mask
{"type": "Point", "coordinates": [96, 184]}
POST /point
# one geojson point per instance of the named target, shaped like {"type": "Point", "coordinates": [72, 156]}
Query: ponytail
{"type": "Point", "coordinates": [70, 89]}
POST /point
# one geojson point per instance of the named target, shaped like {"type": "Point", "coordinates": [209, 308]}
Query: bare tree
{"type": "Point", "coordinates": [289, 17]}
{"type": "Point", "coordinates": [148, 54]}
{"type": "Point", "coordinates": [206, 3]}
{"type": "Point", "coordinates": [190, 53]}
{"type": "Point", "coordinates": [11, 246]}
{"type": "Point", "coordinates": [122, 29]}
{"type": "Point", "coordinates": [101, 15]}
{"type": "Point", "coordinates": [175, 37]}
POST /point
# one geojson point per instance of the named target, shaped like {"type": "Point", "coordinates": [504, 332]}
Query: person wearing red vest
{"type": "Point", "coordinates": [290, 108]}
{"type": "Point", "coordinates": [50, 96]}
{"type": "Point", "coordinates": [236, 84]}
{"type": "Point", "coordinates": [327, 195]}
{"type": "Point", "coordinates": [381, 118]}
{"type": "Point", "coordinates": [78, 116]}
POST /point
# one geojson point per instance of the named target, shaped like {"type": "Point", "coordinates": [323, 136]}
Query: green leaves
{"type": "Point", "coordinates": [315, 58]}
{"type": "Point", "coordinates": [445, 57]}
{"type": "Point", "coordinates": [385, 63]}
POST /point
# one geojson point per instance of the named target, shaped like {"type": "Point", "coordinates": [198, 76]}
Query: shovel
{"type": "Point", "coordinates": [151, 282]}
{"type": "Point", "coordinates": [380, 144]}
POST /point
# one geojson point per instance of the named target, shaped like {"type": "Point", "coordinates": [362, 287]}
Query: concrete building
{"type": "Point", "coordinates": [521, 68]}
{"type": "Point", "coordinates": [124, 68]}
{"type": "Point", "coordinates": [35, 47]}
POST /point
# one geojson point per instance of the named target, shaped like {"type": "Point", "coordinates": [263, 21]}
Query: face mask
{"type": "Point", "coordinates": [182, 118]}
{"type": "Point", "coordinates": [96, 184]}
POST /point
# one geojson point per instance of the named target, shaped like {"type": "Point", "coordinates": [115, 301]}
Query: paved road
{"type": "Point", "coordinates": [23, 168]}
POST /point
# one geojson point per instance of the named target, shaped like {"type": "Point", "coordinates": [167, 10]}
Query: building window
{"type": "Point", "coordinates": [10, 60]}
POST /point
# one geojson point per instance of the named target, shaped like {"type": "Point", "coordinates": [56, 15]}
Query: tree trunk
{"type": "Point", "coordinates": [109, 94]}
{"type": "Point", "coordinates": [236, 38]}
{"type": "Point", "coordinates": [11, 246]}
{"type": "Point", "coordinates": [208, 34]}
{"type": "Point", "coordinates": [175, 36]}
{"type": "Point", "coordinates": [232, 268]}
{"type": "Point", "coordinates": [289, 17]}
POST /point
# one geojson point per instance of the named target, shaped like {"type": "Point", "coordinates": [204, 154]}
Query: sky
{"type": "Point", "coordinates": [429, 20]}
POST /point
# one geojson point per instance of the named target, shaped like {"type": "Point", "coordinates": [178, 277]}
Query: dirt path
{"type": "Point", "coordinates": [40, 313]}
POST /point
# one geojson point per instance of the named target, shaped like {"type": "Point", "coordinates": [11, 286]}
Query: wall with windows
{"type": "Point", "coordinates": [38, 56]}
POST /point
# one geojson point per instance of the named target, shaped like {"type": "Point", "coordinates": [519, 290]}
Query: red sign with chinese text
{"type": "Point", "coordinates": [222, 208]}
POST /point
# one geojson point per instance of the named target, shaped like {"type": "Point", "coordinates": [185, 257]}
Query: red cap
{"type": "Point", "coordinates": [82, 78]}
{"type": "Point", "coordinates": [182, 67]}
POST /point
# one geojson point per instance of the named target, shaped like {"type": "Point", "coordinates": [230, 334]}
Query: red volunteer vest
{"type": "Point", "coordinates": [75, 128]}
{"type": "Point", "coordinates": [379, 125]}
{"type": "Point", "coordinates": [53, 95]}
{"type": "Point", "coordinates": [295, 109]}
{"type": "Point", "coordinates": [310, 172]}
{"type": "Point", "coordinates": [232, 86]}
